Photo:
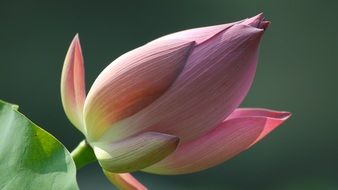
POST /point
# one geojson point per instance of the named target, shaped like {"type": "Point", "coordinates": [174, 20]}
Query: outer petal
{"type": "Point", "coordinates": [199, 35]}
{"type": "Point", "coordinates": [202, 34]}
{"type": "Point", "coordinates": [73, 91]}
{"type": "Point", "coordinates": [132, 82]}
{"type": "Point", "coordinates": [124, 181]}
{"type": "Point", "coordinates": [135, 153]}
{"type": "Point", "coordinates": [243, 129]}
{"type": "Point", "coordinates": [215, 80]}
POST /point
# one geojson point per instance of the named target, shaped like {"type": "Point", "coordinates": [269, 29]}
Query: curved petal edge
{"type": "Point", "coordinates": [132, 82]}
{"type": "Point", "coordinates": [73, 91]}
{"type": "Point", "coordinates": [136, 152]}
{"type": "Point", "coordinates": [213, 83]}
{"type": "Point", "coordinates": [124, 181]}
{"type": "Point", "coordinates": [240, 131]}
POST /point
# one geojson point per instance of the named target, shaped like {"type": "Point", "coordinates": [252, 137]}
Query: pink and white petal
{"type": "Point", "coordinates": [132, 82]}
{"type": "Point", "coordinates": [124, 181]}
{"type": "Point", "coordinates": [214, 81]}
{"type": "Point", "coordinates": [73, 92]}
{"type": "Point", "coordinates": [243, 129]}
{"type": "Point", "coordinates": [134, 153]}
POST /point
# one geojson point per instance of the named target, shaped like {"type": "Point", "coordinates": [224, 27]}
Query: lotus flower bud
{"type": "Point", "coordinates": [159, 107]}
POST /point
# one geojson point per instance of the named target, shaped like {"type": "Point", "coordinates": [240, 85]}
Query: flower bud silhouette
{"type": "Point", "coordinates": [171, 105]}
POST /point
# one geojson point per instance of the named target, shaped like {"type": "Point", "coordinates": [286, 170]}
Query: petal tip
{"type": "Point", "coordinates": [76, 41]}
{"type": "Point", "coordinates": [76, 36]}
{"type": "Point", "coordinates": [277, 115]}
{"type": "Point", "coordinates": [284, 115]}
{"type": "Point", "coordinates": [257, 21]}
{"type": "Point", "coordinates": [72, 83]}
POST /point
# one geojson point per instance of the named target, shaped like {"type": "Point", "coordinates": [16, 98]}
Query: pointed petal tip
{"type": "Point", "coordinates": [73, 84]}
{"type": "Point", "coordinates": [75, 41]}
{"type": "Point", "coordinates": [259, 16]}
{"type": "Point", "coordinates": [273, 114]}
{"type": "Point", "coordinates": [76, 36]}
{"type": "Point", "coordinates": [244, 128]}
{"type": "Point", "coordinates": [257, 21]}
{"type": "Point", "coordinates": [272, 118]}
{"type": "Point", "coordinates": [247, 27]}
{"type": "Point", "coordinates": [284, 115]}
{"type": "Point", "coordinates": [269, 114]}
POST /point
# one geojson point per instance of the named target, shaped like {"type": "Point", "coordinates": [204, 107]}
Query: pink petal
{"type": "Point", "coordinates": [132, 82]}
{"type": "Point", "coordinates": [73, 91]}
{"type": "Point", "coordinates": [134, 153]}
{"type": "Point", "coordinates": [199, 35]}
{"type": "Point", "coordinates": [243, 129]}
{"type": "Point", "coordinates": [257, 21]}
{"type": "Point", "coordinates": [124, 181]}
{"type": "Point", "coordinates": [215, 80]}
{"type": "Point", "coordinates": [202, 34]}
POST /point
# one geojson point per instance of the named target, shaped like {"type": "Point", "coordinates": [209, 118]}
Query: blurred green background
{"type": "Point", "coordinates": [297, 72]}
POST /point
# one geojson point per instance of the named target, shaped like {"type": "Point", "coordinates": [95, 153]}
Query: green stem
{"type": "Point", "coordinates": [83, 155]}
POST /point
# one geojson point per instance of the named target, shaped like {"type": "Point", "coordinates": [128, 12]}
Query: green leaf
{"type": "Point", "coordinates": [31, 158]}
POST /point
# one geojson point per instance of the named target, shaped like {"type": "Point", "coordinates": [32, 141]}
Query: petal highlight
{"type": "Point", "coordinates": [244, 128]}
{"type": "Point", "coordinates": [132, 82]}
{"type": "Point", "coordinates": [73, 91]}
{"type": "Point", "coordinates": [124, 181]}
{"type": "Point", "coordinates": [135, 153]}
{"type": "Point", "coordinates": [199, 35]}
